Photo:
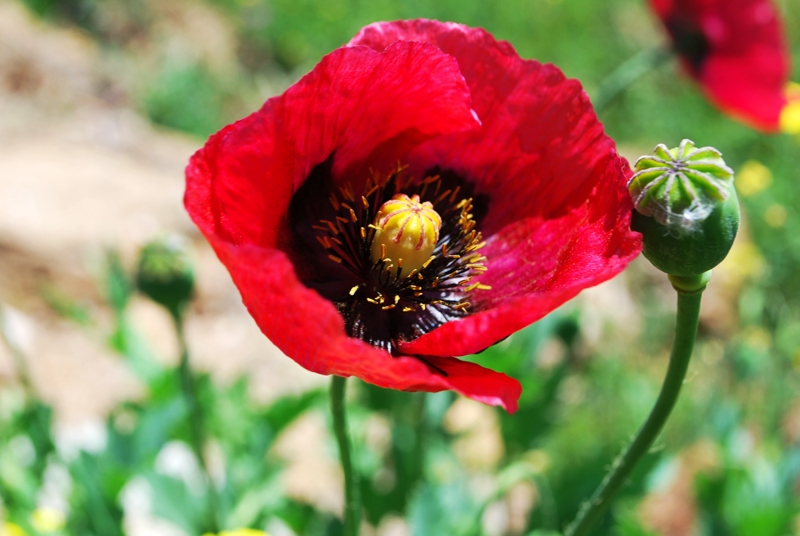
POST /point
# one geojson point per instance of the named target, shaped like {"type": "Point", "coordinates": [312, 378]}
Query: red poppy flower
{"type": "Point", "coordinates": [446, 125]}
{"type": "Point", "coordinates": [736, 50]}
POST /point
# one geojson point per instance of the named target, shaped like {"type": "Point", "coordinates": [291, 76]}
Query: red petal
{"type": "Point", "coordinates": [310, 330]}
{"type": "Point", "coordinates": [746, 69]}
{"type": "Point", "coordinates": [537, 265]}
{"type": "Point", "coordinates": [354, 102]}
{"type": "Point", "coordinates": [558, 219]}
{"type": "Point", "coordinates": [559, 210]}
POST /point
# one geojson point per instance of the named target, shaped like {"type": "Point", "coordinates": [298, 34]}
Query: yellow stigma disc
{"type": "Point", "coordinates": [406, 233]}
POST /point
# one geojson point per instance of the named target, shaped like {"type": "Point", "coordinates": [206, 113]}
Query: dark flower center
{"type": "Point", "coordinates": [384, 300]}
{"type": "Point", "coordinates": [689, 42]}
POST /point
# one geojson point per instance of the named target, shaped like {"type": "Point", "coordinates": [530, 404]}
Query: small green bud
{"type": "Point", "coordinates": [165, 272]}
{"type": "Point", "coordinates": [686, 208]}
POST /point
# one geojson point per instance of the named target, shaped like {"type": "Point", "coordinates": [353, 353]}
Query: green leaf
{"type": "Point", "coordinates": [174, 502]}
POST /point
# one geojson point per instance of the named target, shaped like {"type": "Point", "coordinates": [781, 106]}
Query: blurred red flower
{"type": "Point", "coordinates": [736, 50]}
{"type": "Point", "coordinates": [507, 151]}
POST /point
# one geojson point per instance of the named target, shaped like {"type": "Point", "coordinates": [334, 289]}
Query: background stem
{"type": "Point", "coordinates": [685, 332]}
{"type": "Point", "coordinates": [197, 428]}
{"type": "Point", "coordinates": [626, 74]}
{"type": "Point", "coordinates": [352, 506]}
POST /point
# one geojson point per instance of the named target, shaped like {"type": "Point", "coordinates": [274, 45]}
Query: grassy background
{"type": "Point", "coordinates": [729, 462]}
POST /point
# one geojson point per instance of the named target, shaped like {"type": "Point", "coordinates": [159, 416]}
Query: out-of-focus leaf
{"type": "Point", "coordinates": [18, 485]}
{"type": "Point", "coordinates": [257, 503]}
{"type": "Point", "coordinates": [387, 484]}
{"type": "Point", "coordinates": [118, 285]}
{"type": "Point", "coordinates": [126, 341]}
{"type": "Point", "coordinates": [174, 502]}
{"type": "Point", "coordinates": [443, 509]}
{"type": "Point", "coordinates": [65, 306]}
{"type": "Point", "coordinates": [153, 426]}
{"type": "Point", "coordinates": [95, 509]}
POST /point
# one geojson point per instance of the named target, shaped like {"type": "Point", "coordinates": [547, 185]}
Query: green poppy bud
{"type": "Point", "coordinates": [165, 273]}
{"type": "Point", "coordinates": [686, 208]}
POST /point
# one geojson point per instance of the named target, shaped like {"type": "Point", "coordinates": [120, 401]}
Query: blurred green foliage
{"type": "Point", "coordinates": [731, 452]}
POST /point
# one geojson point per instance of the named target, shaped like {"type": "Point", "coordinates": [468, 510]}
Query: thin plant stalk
{"type": "Point", "coordinates": [687, 320]}
{"type": "Point", "coordinates": [197, 429]}
{"type": "Point", "coordinates": [627, 73]}
{"type": "Point", "coordinates": [352, 501]}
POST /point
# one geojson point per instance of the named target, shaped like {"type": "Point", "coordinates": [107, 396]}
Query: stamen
{"type": "Point", "coordinates": [331, 226]}
{"type": "Point", "coordinates": [455, 193]}
{"type": "Point", "coordinates": [404, 253]}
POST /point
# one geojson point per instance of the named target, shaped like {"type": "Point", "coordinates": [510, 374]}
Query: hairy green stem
{"type": "Point", "coordinates": [352, 502]}
{"type": "Point", "coordinates": [197, 429]}
{"type": "Point", "coordinates": [627, 73]}
{"type": "Point", "coordinates": [685, 332]}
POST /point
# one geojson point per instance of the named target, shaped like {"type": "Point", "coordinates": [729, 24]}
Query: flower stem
{"type": "Point", "coordinates": [689, 293]}
{"type": "Point", "coordinates": [627, 73]}
{"type": "Point", "coordinates": [197, 428]}
{"type": "Point", "coordinates": [352, 506]}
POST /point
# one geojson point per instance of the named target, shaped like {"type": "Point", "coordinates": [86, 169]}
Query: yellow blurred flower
{"type": "Point", "coordinates": [757, 338]}
{"type": "Point", "coordinates": [790, 115]}
{"type": "Point", "coordinates": [11, 529]}
{"type": "Point", "coordinates": [744, 261]}
{"type": "Point", "coordinates": [776, 215]}
{"type": "Point", "coordinates": [752, 178]}
{"type": "Point", "coordinates": [46, 520]}
{"type": "Point", "coordinates": [538, 460]}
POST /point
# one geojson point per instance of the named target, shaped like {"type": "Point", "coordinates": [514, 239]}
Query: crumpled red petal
{"type": "Point", "coordinates": [300, 320]}
{"type": "Point", "coordinates": [746, 69]}
{"type": "Point", "coordinates": [354, 101]}
{"type": "Point", "coordinates": [239, 186]}
{"type": "Point", "coordinates": [559, 211]}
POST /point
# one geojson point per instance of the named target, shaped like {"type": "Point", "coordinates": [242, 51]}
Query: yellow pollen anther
{"type": "Point", "coordinates": [407, 230]}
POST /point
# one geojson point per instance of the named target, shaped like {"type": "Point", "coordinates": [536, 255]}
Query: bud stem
{"type": "Point", "coordinates": [687, 320]}
{"type": "Point", "coordinates": [197, 428]}
{"type": "Point", "coordinates": [690, 284]}
{"type": "Point", "coordinates": [352, 501]}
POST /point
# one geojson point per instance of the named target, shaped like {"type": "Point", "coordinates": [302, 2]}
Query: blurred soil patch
{"type": "Point", "coordinates": [80, 173]}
